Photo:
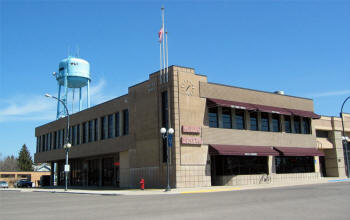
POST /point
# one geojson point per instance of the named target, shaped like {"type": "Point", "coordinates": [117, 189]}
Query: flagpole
{"type": "Point", "coordinates": [163, 42]}
{"type": "Point", "coordinates": [167, 66]}
{"type": "Point", "coordinates": [161, 64]}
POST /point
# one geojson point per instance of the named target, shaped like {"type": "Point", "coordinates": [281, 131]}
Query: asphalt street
{"type": "Point", "coordinates": [319, 201]}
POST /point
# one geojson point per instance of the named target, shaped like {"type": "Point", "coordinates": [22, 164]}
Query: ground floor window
{"type": "Point", "coordinates": [240, 165]}
{"type": "Point", "coordinates": [291, 164]}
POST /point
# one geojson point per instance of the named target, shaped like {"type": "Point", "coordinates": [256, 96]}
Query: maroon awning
{"type": "Point", "coordinates": [306, 114]}
{"type": "Point", "coordinates": [298, 151]}
{"type": "Point", "coordinates": [242, 150]}
{"type": "Point", "coordinates": [271, 109]}
{"type": "Point", "coordinates": [232, 104]}
{"type": "Point", "coordinates": [262, 108]}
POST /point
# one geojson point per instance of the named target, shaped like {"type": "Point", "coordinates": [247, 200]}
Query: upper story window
{"type": "Point", "coordinates": [254, 121]}
{"type": "Point", "coordinates": [306, 125]}
{"type": "Point", "coordinates": [54, 140]}
{"type": "Point", "coordinates": [287, 124]}
{"type": "Point", "coordinates": [74, 132]}
{"type": "Point", "coordinates": [240, 119]}
{"type": "Point", "coordinates": [265, 125]}
{"type": "Point", "coordinates": [84, 132]}
{"type": "Point", "coordinates": [90, 130]}
{"type": "Point", "coordinates": [226, 118]}
{"type": "Point", "coordinates": [117, 122]}
{"type": "Point", "coordinates": [165, 122]}
{"type": "Point", "coordinates": [95, 129]}
{"type": "Point", "coordinates": [110, 126]}
{"type": "Point", "coordinates": [297, 126]}
{"type": "Point", "coordinates": [213, 117]}
{"type": "Point", "coordinates": [125, 122]}
{"type": "Point", "coordinates": [78, 134]}
{"type": "Point", "coordinates": [276, 123]}
{"type": "Point", "coordinates": [103, 128]}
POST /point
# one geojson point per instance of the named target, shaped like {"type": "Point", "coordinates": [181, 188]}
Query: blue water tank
{"type": "Point", "coordinates": [77, 71]}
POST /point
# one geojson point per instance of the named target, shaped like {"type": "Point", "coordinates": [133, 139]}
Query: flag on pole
{"type": "Point", "coordinates": [160, 34]}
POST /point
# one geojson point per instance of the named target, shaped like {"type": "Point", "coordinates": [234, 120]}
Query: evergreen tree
{"type": "Point", "coordinates": [25, 162]}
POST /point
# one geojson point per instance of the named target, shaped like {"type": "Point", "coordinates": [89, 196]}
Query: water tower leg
{"type": "Point", "coordinates": [80, 102]}
{"type": "Point", "coordinates": [88, 94]}
{"type": "Point", "coordinates": [64, 98]}
{"type": "Point", "coordinates": [58, 103]}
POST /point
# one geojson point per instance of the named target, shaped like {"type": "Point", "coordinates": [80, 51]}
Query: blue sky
{"type": "Point", "coordinates": [301, 47]}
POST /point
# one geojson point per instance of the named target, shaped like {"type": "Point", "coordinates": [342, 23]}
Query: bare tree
{"type": "Point", "coordinates": [9, 163]}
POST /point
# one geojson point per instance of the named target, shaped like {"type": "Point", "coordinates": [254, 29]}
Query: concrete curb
{"type": "Point", "coordinates": [177, 190]}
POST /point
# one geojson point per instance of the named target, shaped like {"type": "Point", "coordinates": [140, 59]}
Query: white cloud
{"type": "Point", "coordinates": [39, 108]}
{"type": "Point", "coordinates": [330, 93]}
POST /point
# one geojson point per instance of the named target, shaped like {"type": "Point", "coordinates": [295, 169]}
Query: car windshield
{"type": "Point", "coordinates": [2, 181]}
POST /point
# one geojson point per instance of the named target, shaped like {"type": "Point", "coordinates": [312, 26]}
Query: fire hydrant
{"type": "Point", "coordinates": [142, 184]}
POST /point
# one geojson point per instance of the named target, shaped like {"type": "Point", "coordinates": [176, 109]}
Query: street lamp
{"type": "Point", "coordinates": [167, 136]}
{"type": "Point", "coordinates": [345, 141]}
{"type": "Point", "coordinates": [66, 145]}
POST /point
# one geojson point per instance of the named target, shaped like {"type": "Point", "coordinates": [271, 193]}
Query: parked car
{"type": "Point", "coordinates": [24, 183]}
{"type": "Point", "coordinates": [4, 184]}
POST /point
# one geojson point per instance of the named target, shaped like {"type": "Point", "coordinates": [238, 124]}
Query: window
{"type": "Point", "coordinates": [165, 123]}
{"type": "Point", "coordinates": [285, 164]}
{"type": "Point", "coordinates": [240, 165]}
{"type": "Point", "coordinates": [276, 123]}
{"type": "Point", "coordinates": [49, 142]}
{"type": "Point", "coordinates": [44, 143]}
{"type": "Point", "coordinates": [306, 126]}
{"type": "Point", "coordinates": [74, 130]}
{"type": "Point", "coordinates": [297, 127]}
{"type": "Point", "coordinates": [213, 117]}
{"type": "Point", "coordinates": [240, 119]}
{"type": "Point", "coordinates": [84, 133]}
{"type": "Point", "coordinates": [59, 139]}
{"type": "Point", "coordinates": [287, 124]}
{"type": "Point", "coordinates": [54, 140]}
{"type": "Point", "coordinates": [125, 122]}
{"type": "Point", "coordinates": [95, 129]}
{"type": "Point", "coordinates": [78, 134]}
{"type": "Point", "coordinates": [117, 122]}
{"type": "Point", "coordinates": [254, 121]}
{"type": "Point", "coordinates": [265, 125]}
{"type": "Point", "coordinates": [37, 144]}
{"type": "Point", "coordinates": [321, 134]}
{"type": "Point", "coordinates": [226, 118]}
{"type": "Point", "coordinates": [7, 175]}
{"type": "Point", "coordinates": [103, 129]}
{"type": "Point", "coordinates": [90, 131]}
{"type": "Point", "coordinates": [110, 126]}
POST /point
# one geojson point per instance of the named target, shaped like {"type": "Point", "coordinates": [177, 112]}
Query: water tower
{"type": "Point", "coordinates": [73, 73]}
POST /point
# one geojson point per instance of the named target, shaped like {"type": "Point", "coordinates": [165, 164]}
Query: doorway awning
{"type": "Point", "coordinates": [298, 151]}
{"type": "Point", "coordinates": [242, 150]}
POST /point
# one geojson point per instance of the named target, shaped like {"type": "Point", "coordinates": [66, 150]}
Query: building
{"type": "Point", "coordinates": [11, 177]}
{"type": "Point", "coordinates": [329, 141]}
{"type": "Point", "coordinates": [224, 135]}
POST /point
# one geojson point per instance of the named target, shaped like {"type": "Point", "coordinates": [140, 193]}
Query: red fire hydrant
{"type": "Point", "coordinates": [142, 184]}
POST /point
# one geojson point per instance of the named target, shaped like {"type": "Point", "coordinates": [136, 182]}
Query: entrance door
{"type": "Point", "coordinates": [107, 171]}
{"type": "Point", "coordinates": [323, 166]}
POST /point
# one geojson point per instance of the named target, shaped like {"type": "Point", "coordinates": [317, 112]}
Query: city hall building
{"type": "Point", "coordinates": [224, 135]}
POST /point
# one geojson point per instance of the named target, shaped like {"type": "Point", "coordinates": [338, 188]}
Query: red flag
{"type": "Point", "coordinates": [160, 34]}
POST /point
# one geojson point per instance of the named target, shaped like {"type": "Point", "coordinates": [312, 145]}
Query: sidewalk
{"type": "Point", "coordinates": [116, 192]}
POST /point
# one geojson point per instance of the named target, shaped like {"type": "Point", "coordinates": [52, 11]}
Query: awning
{"type": "Point", "coordinates": [271, 109]}
{"type": "Point", "coordinates": [306, 114]}
{"type": "Point", "coordinates": [241, 150]}
{"type": "Point", "coordinates": [298, 151]}
{"type": "Point", "coordinates": [232, 104]}
{"type": "Point", "coordinates": [262, 108]}
{"type": "Point", "coordinates": [324, 143]}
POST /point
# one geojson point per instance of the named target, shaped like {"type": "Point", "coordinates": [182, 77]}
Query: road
{"type": "Point", "coordinates": [321, 201]}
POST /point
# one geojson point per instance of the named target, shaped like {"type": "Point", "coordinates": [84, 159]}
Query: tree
{"type": "Point", "coordinates": [25, 162]}
{"type": "Point", "coordinates": [8, 164]}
